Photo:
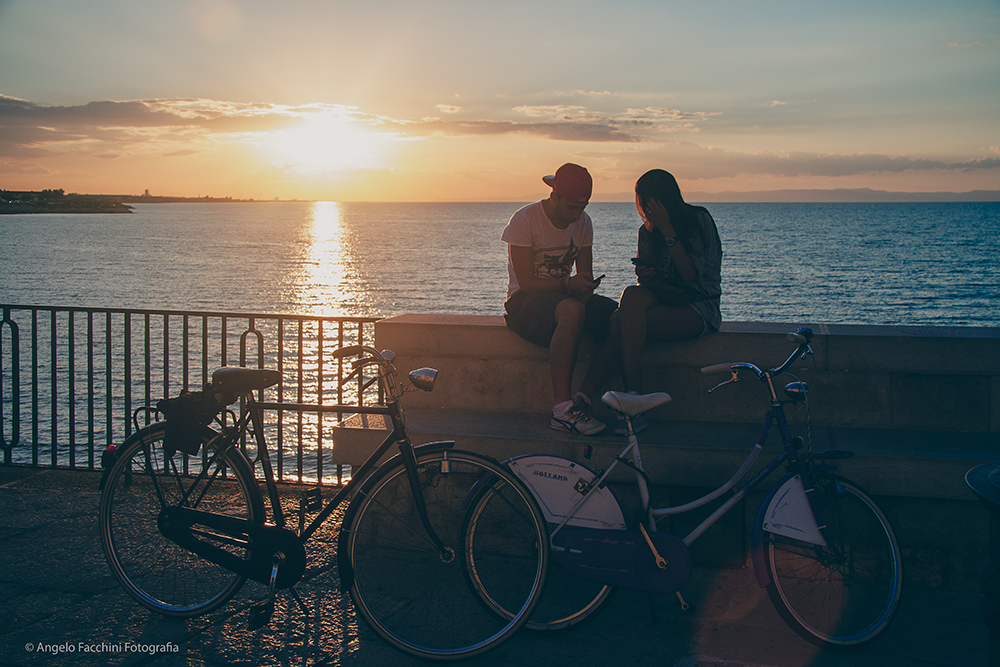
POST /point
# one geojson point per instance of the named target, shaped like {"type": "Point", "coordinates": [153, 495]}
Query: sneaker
{"type": "Point", "coordinates": [639, 424]}
{"type": "Point", "coordinates": [575, 417]}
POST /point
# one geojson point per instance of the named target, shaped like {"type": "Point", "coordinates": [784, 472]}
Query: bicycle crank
{"type": "Point", "coordinates": [624, 558]}
{"type": "Point", "coordinates": [241, 546]}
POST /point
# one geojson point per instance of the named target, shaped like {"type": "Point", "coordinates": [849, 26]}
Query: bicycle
{"type": "Point", "coordinates": [823, 549]}
{"type": "Point", "coordinates": [183, 531]}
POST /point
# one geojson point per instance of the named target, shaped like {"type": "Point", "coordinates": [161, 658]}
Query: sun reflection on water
{"type": "Point", "coordinates": [328, 278]}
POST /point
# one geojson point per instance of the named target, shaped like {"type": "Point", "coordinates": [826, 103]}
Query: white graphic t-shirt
{"type": "Point", "coordinates": [554, 250]}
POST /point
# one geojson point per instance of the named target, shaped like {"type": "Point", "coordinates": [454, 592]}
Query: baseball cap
{"type": "Point", "coordinates": [571, 182]}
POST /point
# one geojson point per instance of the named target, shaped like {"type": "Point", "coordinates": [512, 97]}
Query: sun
{"type": "Point", "coordinates": [328, 147]}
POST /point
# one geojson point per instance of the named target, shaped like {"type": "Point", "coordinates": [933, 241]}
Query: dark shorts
{"type": "Point", "coordinates": [532, 316]}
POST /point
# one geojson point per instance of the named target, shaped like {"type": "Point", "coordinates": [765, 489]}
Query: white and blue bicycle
{"type": "Point", "coordinates": [822, 548]}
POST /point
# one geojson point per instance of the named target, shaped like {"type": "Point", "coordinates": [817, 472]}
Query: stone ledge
{"type": "Point", "coordinates": [908, 464]}
{"type": "Point", "coordinates": [928, 378]}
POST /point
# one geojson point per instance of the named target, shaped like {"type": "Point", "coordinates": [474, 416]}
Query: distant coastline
{"type": "Point", "coordinates": [843, 196]}
{"type": "Point", "coordinates": [56, 201]}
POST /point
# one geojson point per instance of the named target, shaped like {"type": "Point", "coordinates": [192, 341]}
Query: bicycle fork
{"type": "Point", "coordinates": [447, 554]}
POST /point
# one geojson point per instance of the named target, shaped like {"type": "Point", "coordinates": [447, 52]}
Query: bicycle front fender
{"type": "Point", "coordinates": [345, 570]}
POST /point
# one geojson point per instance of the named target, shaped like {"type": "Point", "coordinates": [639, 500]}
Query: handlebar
{"type": "Point", "coordinates": [422, 378]}
{"type": "Point", "coordinates": [802, 336]}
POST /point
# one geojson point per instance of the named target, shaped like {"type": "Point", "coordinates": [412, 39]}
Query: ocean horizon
{"type": "Point", "coordinates": [915, 263]}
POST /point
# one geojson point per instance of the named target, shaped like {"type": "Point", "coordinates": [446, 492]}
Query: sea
{"type": "Point", "coordinates": [866, 263]}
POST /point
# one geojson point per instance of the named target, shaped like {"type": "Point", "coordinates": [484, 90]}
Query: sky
{"type": "Point", "coordinates": [442, 100]}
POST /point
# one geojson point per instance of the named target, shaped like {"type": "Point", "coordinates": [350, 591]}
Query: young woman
{"type": "Point", "coordinates": [679, 269]}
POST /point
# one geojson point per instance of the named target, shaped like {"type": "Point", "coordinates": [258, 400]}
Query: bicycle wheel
{"type": "Point", "coordinates": [847, 592]}
{"type": "Point", "coordinates": [417, 596]}
{"type": "Point", "coordinates": [566, 601]}
{"type": "Point", "coordinates": [158, 573]}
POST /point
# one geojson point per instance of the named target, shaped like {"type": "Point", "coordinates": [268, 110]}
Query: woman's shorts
{"type": "Point", "coordinates": [532, 316]}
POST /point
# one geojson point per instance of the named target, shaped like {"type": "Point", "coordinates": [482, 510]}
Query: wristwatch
{"type": "Point", "coordinates": [670, 241]}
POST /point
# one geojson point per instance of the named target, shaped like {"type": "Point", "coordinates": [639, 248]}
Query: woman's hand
{"type": "Point", "coordinates": [643, 271]}
{"type": "Point", "coordinates": [656, 215]}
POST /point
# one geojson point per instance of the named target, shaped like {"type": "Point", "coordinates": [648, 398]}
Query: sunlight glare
{"type": "Point", "coordinates": [328, 146]}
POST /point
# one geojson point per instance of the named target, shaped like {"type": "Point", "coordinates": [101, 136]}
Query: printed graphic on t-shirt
{"type": "Point", "coordinates": [556, 263]}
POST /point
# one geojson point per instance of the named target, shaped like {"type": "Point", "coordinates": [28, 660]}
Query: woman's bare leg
{"type": "Point", "coordinates": [641, 317]}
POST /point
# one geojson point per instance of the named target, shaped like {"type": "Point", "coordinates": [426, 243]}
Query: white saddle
{"type": "Point", "coordinates": [633, 404]}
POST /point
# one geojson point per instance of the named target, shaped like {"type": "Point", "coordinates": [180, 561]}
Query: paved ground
{"type": "Point", "coordinates": [57, 594]}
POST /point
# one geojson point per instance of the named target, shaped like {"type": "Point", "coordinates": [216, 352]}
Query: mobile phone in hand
{"type": "Point", "coordinates": [599, 278]}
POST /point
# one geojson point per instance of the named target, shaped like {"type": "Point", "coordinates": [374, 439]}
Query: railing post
{"type": "Point", "coordinates": [15, 386]}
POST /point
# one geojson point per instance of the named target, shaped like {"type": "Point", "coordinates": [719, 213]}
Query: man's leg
{"type": "Point", "coordinates": [569, 316]}
{"type": "Point", "coordinates": [604, 363]}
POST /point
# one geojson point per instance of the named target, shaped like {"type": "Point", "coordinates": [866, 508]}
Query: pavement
{"type": "Point", "coordinates": [59, 605]}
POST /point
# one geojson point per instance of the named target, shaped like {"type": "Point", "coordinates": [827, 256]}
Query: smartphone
{"type": "Point", "coordinates": [638, 261]}
{"type": "Point", "coordinates": [599, 278]}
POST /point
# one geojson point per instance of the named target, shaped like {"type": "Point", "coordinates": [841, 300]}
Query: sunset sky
{"type": "Point", "coordinates": [441, 100]}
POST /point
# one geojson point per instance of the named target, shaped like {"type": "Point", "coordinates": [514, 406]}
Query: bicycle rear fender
{"type": "Point", "coordinates": [785, 511]}
{"type": "Point", "coordinates": [345, 570]}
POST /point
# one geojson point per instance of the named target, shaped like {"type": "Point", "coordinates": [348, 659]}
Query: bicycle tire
{"type": "Point", "coordinates": [846, 593]}
{"type": "Point", "coordinates": [566, 602]}
{"type": "Point", "coordinates": [419, 599]}
{"type": "Point", "coordinates": [156, 572]}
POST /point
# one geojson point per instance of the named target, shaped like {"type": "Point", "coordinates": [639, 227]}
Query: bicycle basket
{"type": "Point", "coordinates": [187, 416]}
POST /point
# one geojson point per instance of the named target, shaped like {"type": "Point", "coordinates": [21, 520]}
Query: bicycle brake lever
{"type": "Point", "coordinates": [735, 378]}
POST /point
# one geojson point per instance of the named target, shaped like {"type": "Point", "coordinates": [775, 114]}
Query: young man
{"type": "Point", "coordinates": [551, 306]}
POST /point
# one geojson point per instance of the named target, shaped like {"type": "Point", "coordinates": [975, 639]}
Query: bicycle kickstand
{"type": "Point", "coordinates": [260, 613]}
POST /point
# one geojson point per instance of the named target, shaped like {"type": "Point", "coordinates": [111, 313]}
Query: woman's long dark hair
{"type": "Point", "coordinates": [661, 185]}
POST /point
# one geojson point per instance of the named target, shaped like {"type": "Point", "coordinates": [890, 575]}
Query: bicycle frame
{"type": "Point", "coordinates": [775, 416]}
{"type": "Point", "coordinates": [397, 434]}
{"type": "Point", "coordinates": [252, 415]}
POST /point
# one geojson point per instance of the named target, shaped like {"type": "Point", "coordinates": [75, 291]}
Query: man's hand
{"type": "Point", "coordinates": [582, 286]}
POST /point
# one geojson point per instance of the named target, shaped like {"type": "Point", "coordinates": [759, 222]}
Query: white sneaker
{"type": "Point", "coordinates": [575, 417]}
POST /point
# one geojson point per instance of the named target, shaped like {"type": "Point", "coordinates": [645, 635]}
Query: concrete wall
{"type": "Point", "coordinates": [919, 406]}
{"type": "Point", "coordinates": [926, 378]}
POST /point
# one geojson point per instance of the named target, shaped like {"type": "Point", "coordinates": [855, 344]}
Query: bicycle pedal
{"type": "Point", "coordinates": [311, 500]}
{"type": "Point", "coordinates": [260, 614]}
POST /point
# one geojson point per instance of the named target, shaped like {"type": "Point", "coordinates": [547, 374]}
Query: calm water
{"type": "Point", "coordinates": [926, 264]}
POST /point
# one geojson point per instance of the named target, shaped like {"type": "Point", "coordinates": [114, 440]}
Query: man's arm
{"type": "Point", "coordinates": [522, 261]}
{"type": "Point", "coordinates": [580, 283]}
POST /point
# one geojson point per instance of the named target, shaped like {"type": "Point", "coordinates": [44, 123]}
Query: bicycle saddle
{"type": "Point", "coordinates": [633, 404]}
{"type": "Point", "coordinates": [231, 382]}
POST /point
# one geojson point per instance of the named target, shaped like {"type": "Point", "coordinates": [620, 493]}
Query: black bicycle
{"type": "Point", "coordinates": [183, 530]}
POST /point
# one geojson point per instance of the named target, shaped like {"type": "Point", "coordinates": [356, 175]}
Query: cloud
{"type": "Point", "coordinates": [187, 126]}
{"type": "Point", "coordinates": [29, 130]}
{"type": "Point", "coordinates": [558, 131]}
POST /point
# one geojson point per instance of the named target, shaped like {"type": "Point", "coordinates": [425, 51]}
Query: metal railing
{"type": "Point", "coordinates": [71, 378]}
